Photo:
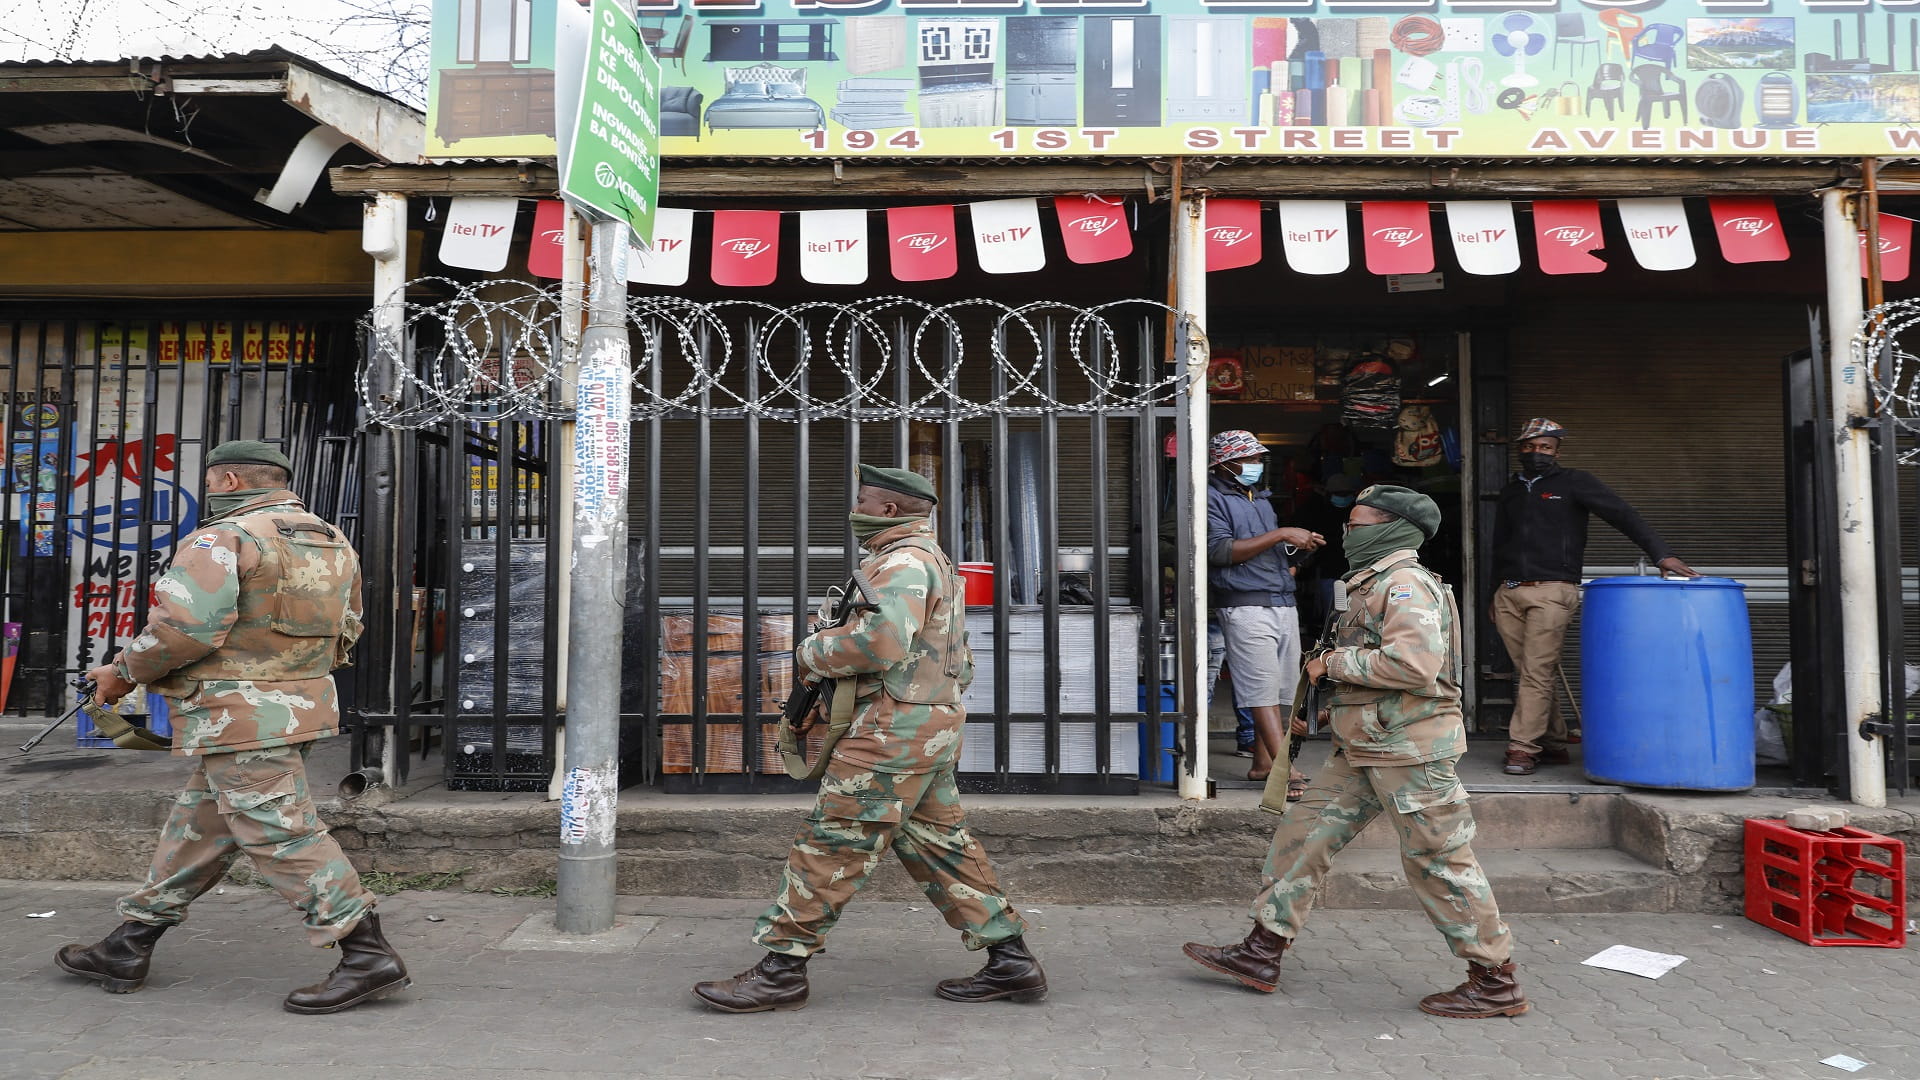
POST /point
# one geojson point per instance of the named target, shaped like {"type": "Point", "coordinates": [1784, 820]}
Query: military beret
{"type": "Point", "coordinates": [1406, 503]}
{"type": "Point", "coordinates": [900, 480]}
{"type": "Point", "coordinates": [248, 452]}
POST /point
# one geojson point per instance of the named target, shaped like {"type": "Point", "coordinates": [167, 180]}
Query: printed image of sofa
{"type": "Point", "coordinates": [765, 96]}
{"type": "Point", "coordinates": [680, 111]}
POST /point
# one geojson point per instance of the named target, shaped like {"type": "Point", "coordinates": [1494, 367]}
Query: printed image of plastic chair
{"type": "Point", "coordinates": [1622, 27]}
{"type": "Point", "coordinates": [1571, 31]}
{"type": "Point", "coordinates": [1610, 86]}
{"type": "Point", "coordinates": [1659, 44]}
{"type": "Point", "coordinates": [1661, 87]}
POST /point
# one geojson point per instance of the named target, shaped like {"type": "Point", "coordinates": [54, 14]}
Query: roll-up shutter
{"type": "Point", "coordinates": [1676, 406]}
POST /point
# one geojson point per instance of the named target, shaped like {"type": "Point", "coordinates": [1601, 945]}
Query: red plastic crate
{"type": "Point", "coordinates": [1810, 887]}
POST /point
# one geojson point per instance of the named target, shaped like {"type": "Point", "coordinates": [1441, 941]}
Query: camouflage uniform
{"type": "Point", "coordinates": [1397, 732]}
{"type": "Point", "coordinates": [256, 611]}
{"type": "Point", "coordinates": [891, 780]}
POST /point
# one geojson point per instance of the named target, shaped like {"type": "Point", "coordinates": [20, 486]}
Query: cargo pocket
{"type": "Point", "coordinates": [262, 794]}
{"type": "Point", "coordinates": [867, 807]}
{"type": "Point", "coordinates": [1428, 786]}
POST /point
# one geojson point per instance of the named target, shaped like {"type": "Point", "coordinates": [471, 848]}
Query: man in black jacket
{"type": "Point", "coordinates": [1539, 548]}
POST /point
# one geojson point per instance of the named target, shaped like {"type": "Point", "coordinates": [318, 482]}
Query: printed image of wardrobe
{"type": "Point", "coordinates": [1121, 71]}
{"type": "Point", "coordinates": [1042, 60]}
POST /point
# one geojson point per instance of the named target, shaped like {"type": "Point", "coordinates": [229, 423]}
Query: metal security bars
{"type": "Point", "coordinates": [109, 417]}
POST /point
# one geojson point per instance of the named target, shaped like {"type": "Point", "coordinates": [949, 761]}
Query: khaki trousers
{"type": "Point", "coordinates": [1532, 621]}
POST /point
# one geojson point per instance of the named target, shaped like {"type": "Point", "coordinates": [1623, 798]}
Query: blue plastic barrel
{"type": "Point", "coordinates": [1666, 683]}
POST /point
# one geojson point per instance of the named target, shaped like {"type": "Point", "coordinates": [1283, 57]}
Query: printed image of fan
{"type": "Point", "coordinates": [1518, 35]}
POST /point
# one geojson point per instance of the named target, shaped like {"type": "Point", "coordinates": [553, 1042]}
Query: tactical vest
{"type": "Point", "coordinates": [295, 606]}
{"type": "Point", "coordinates": [933, 674]}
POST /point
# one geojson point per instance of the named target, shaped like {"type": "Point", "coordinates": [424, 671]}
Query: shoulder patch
{"type": "Point", "coordinates": [206, 540]}
{"type": "Point", "coordinates": [1401, 591]}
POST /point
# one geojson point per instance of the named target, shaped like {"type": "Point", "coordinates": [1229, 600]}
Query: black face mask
{"type": "Point", "coordinates": [1533, 464]}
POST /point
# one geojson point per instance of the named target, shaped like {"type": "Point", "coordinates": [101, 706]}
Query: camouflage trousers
{"type": "Point", "coordinates": [253, 801]}
{"type": "Point", "coordinates": [1428, 808]}
{"type": "Point", "coordinates": [859, 815]}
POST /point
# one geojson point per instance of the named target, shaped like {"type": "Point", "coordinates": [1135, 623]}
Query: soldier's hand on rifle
{"type": "Point", "coordinates": [1302, 539]}
{"type": "Point", "coordinates": [109, 687]}
{"type": "Point", "coordinates": [1316, 668]}
{"type": "Point", "coordinates": [1299, 726]}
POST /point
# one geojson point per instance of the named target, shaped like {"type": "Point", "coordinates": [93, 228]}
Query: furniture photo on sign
{"type": "Point", "coordinates": [773, 39]}
{"type": "Point", "coordinates": [765, 96]}
{"type": "Point", "coordinates": [876, 43]}
{"type": "Point", "coordinates": [1661, 87]}
{"type": "Point", "coordinates": [1207, 67]}
{"type": "Point", "coordinates": [676, 51]}
{"type": "Point", "coordinates": [1570, 33]}
{"type": "Point", "coordinates": [1043, 57]}
{"type": "Point", "coordinates": [680, 111]}
{"type": "Point", "coordinates": [956, 59]}
{"type": "Point", "coordinates": [1122, 70]}
{"type": "Point", "coordinates": [488, 92]}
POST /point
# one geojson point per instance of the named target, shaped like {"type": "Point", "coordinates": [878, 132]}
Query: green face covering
{"type": "Point", "coordinates": [219, 506]}
{"type": "Point", "coordinates": [1365, 545]}
{"type": "Point", "coordinates": [868, 526]}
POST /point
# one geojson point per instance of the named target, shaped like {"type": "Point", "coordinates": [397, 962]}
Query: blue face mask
{"type": "Point", "coordinates": [1341, 500]}
{"type": "Point", "coordinates": [1251, 474]}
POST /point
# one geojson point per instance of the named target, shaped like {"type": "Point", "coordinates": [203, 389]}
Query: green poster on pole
{"type": "Point", "coordinates": [612, 168]}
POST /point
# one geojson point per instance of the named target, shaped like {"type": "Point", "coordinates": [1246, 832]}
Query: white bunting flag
{"type": "Point", "coordinates": [1657, 231]}
{"type": "Point", "coordinates": [669, 260]}
{"type": "Point", "coordinates": [1485, 239]}
{"type": "Point", "coordinates": [833, 246]}
{"type": "Point", "coordinates": [1006, 236]}
{"type": "Point", "coordinates": [1315, 238]}
{"type": "Point", "coordinates": [478, 234]}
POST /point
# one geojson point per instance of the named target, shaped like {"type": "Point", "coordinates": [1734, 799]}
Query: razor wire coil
{"type": "Point", "coordinates": [1893, 373]}
{"type": "Point", "coordinates": [493, 350]}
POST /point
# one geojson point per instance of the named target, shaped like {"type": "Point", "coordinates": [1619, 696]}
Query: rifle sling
{"type": "Point", "coordinates": [793, 755]}
{"type": "Point", "coordinates": [124, 733]}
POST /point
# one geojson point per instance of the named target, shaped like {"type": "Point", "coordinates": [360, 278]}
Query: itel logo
{"type": "Point", "coordinates": [1570, 235]}
{"type": "Point", "coordinates": [747, 247]}
{"type": "Point", "coordinates": [1747, 226]}
{"type": "Point", "coordinates": [1397, 236]}
{"type": "Point", "coordinates": [1887, 245]}
{"type": "Point", "coordinates": [1229, 235]}
{"type": "Point", "coordinates": [923, 243]}
{"type": "Point", "coordinates": [552, 236]}
{"type": "Point", "coordinates": [1096, 226]}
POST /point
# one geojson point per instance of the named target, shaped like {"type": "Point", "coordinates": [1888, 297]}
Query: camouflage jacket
{"type": "Point", "coordinates": [1396, 667]}
{"type": "Point", "coordinates": [256, 611]}
{"type": "Point", "coordinates": [910, 658]}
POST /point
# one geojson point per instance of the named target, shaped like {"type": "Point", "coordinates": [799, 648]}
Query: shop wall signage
{"type": "Point", "coordinates": [1279, 78]}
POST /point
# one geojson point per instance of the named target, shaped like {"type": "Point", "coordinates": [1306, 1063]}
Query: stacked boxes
{"type": "Point", "coordinates": [722, 689]}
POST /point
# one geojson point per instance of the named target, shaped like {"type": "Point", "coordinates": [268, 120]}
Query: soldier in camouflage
{"type": "Point", "coordinates": [260, 604]}
{"type": "Point", "coordinates": [1397, 734]}
{"type": "Point", "coordinates": [890, 781]}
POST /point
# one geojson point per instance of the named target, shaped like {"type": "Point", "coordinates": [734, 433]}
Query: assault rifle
{"type": "Point", "coordinates": [796, 714]}
{"type": "Point", "coordinates": [122, 731]}
{"type": "Point", "coordinates": [1307, 696]}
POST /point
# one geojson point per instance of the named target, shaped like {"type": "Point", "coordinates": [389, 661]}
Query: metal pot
{"type": "Point", "coordinates": [1076, 561]}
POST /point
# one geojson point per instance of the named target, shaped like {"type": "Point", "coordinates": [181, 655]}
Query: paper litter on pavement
{"type": "Point", "coordinates": [1634, 961]}
{"type": "Point", "coordinates": [1842, 1061]}
{"type": "Point", "coordinates": [40, 914]}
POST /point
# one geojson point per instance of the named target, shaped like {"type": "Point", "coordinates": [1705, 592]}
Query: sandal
{"type": "Point", "coordinates": [1297, 788]}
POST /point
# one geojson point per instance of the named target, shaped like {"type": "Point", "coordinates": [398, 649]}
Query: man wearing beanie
{"type": "Point", "coordinates": [1539, 551]}
{"type": "Point", "coordinates": [889, 780]}
{"type": "Point", "coordinates": [1397, 734]}
{"type": "Point", "coordinates": [261, 603]}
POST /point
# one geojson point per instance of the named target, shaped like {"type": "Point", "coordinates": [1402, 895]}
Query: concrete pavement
{"type": "Point", "coordinates": [1748, 1004]}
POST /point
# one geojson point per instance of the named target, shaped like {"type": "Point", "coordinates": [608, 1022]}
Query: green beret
{"type": "Point", "coordinates": [1404, 502]}
{"type": "Point", "coordinates": [900, 480]}
{"type": "Point", "coordinates": [248, 452]}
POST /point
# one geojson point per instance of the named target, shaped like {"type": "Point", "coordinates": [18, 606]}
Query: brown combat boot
{"type": "Point", "coordinates": [368, 969]}
{"type": "Point", "coordinates": [118, 962]}
{"type": "Point", "coordinates": [1488, 991]}
{"type": "Point", "coordinates": [775, 984]}
{"type": "Point", "coordinates": [1011, 972]}
{"type": "Point", "coordinates": [1520, 763]}
{"type": "Point", "coordinates": [1254, 962]}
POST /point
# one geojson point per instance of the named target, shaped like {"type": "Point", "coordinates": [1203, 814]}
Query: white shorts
{"type": "Point", "coordinates": [1263, 652]}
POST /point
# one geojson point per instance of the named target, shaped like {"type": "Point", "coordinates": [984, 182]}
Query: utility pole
{"type": "Point", "coordinates": [602, 441]}
{"type": "Point", "coordinates": [1190, 292]}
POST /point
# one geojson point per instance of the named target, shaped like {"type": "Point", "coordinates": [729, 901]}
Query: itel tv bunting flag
{"type": "Point", "coordinates": [1399, 237]}
{"type": "Point", "coordinates": [669, 261]}
{"type": "Point", "coordinates": [1233, 233]}
{"type": "Point", "coordinates": [746, 247]}
{"type": "Point", "coordinates": [1093, 228]}
{"type": "Point", "coordinates": [1565, 235]}
{"type": "Point", "coordinates": [1657, 232]}
{"type": "Point", "coordinates": [920, 243]}
{"type": "Point", "coordinates": [1749, 229]}
{"type": "Point", "coordinates": [1485, 239]}
{"type": "Point", "coordinates": [833, 246]}
{"type": "Point", "coordinates": [1314, 235]}
{"type": "Point", "coordinates": [1006, 236]}
{"type": "Point", "coordinates": [1896, 248]}
{"type": "Point", "coordinates": [549, 227]}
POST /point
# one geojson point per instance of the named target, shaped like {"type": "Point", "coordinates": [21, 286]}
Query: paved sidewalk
{"type": "Point", "coordinates": [1125, 1003]}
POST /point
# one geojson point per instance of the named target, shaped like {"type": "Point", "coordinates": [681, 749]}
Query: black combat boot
{"type": "Point", "coordinates": [368, 969]}
{"type": "Point", "coordinates": [775, 984]}
{"type": "Point", "coordinates": [1011, 972]}
{"type": "Point", "coordinates": [117, 962]}
{"type": "Point", "coordinates": [1254, 962]}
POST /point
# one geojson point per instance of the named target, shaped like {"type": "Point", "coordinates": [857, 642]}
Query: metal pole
{"type": "Point", "coordinates": [601, 447]}
{"type": "Point", "coordinates": [1190, 289]}
{"type": "Point", "coordinates": [1853, 501]}
{"type": "Point", "coordinates": [384, 236]}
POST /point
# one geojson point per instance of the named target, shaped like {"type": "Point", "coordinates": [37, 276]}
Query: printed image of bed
{"type": "Point", "coordinates": [765, 96]}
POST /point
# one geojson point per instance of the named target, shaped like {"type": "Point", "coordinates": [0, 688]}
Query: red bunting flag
{"type": "Point", "coordinates": [920, 243]}
{"type": "Point", "coordinates": [1093, 228]}
{"type": "Point", "coordinates": [549, 227]}
{"type": "Point", "coordinates": [1399, 237]}
{"type": "Point", "coordinates": [1749, 229]}
{"type": "Point", "coordinates": [1565, 234]}
{"type": "Point", "coordinates": [746, 247]}
{"type": "Point", "coordinates": [1896, 248]}
{"type": "Point", "coordinates": [1233, 233]}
